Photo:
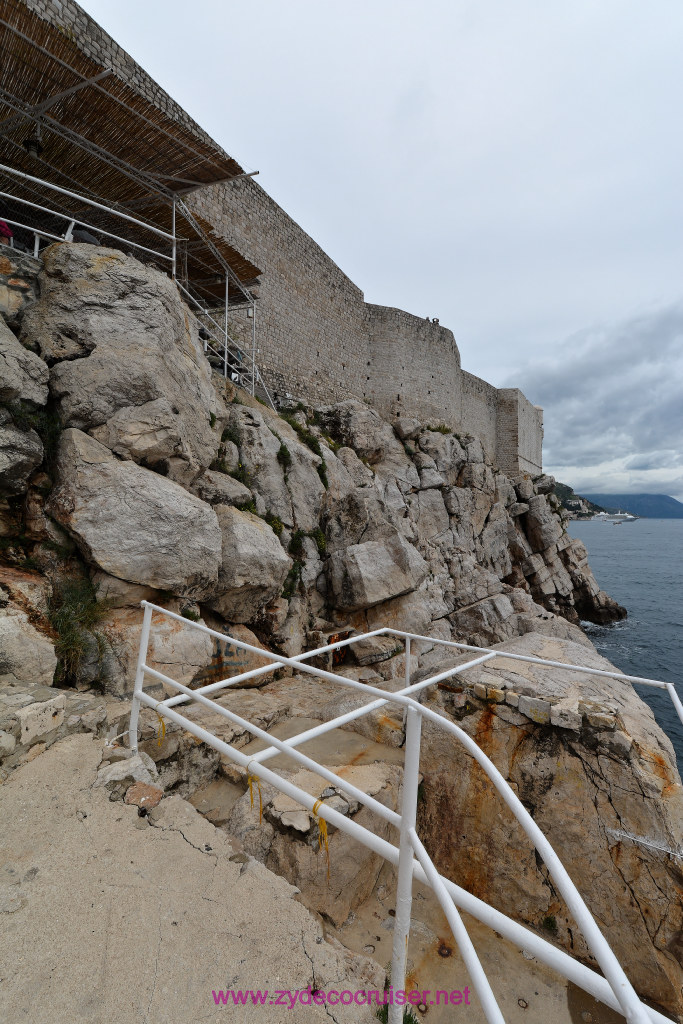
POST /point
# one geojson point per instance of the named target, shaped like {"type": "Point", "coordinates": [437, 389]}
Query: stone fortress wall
{"type": "Point", "coordinates": [319, 340]}
{"type": "Point", "coordinates": [317, 337]}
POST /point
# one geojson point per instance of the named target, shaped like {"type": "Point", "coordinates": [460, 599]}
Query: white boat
{"type": "Point", "coordinates": [613, 517]}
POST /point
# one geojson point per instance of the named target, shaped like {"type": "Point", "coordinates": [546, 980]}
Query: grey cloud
{"type": "Point", "coordinates": [615, 393]}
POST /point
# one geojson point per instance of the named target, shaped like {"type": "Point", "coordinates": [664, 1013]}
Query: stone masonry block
{"type": "Point", "coordinates": [534, 708]}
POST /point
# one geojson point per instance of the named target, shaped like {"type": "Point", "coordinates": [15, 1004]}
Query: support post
{"type": "Point", "coordinates": [253, 348]}
{"type": "Point", "coordinates": [225, 327]}
{"type": "Point", "coordinates": [407, 670]}
{"type": "Point", "coordinates": [139, 680]}
{"type": "Point", "coordinates": [174, 240]}
{"type": "Point", "coordinates": [404, 888]}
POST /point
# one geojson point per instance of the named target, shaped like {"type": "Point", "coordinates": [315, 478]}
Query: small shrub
{"type": "Point", "coordinates": [275, 523]}
{"type": "Point", "coordinates": [441, 428]}
{"type": "Point", "coordinates": [550, 924]}
{"type": "Point", "coordinates": [292, 581]}
{"type": "Point", "coordinates": [247, 506]}
{"type": "Point", "coordinates": [231, 434]}
{"type": "Point", "coordinates": [296, 544]}
{"type": "Point", "coordinates": [239, 474]}
{"type": "Point", "coordinates": [322, 473]}
{"type": "Point", "coordinates": [74, 613]}
{"type": "Point", "coordinates": [331, 443]}
{"type": "Point", "coordinates": [319, 537]}
{"type": "Point", "coordinates": [304, 435]}
{"type": "Point", "coordinates": [284, 456]}
{"type": "Point", "coordinates": [219, 466]}
{"type": "Point", "coordinates": [190, 613]}
{"type": "Point", "coordinates": [45, 422]}
{"type": "Point", "coordinates": [212, 419]}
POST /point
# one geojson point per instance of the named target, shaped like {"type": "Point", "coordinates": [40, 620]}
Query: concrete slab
{"type": "Point", "coordinates": [105, 916]}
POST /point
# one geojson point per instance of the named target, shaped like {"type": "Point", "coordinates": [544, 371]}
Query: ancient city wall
{"type": "Point", "coordinates": [415, 367]}
{"type": "Point", "coordinates": [520, 432]}
{"type": "Point", "coordinates": [317, 339]}
{"type": "Point", "coordinates": [311, 319]}
{"type": "Point", "coordinates": [479, 413]}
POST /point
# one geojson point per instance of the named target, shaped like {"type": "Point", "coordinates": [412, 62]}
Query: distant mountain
{"type": "Point", "coordinates": [649, 506]}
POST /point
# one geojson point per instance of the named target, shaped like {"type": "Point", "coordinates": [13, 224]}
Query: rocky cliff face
{"type": "Point", "coordinates": [124, 460]}
{"type": "Point", "coordinates": [129, 471]}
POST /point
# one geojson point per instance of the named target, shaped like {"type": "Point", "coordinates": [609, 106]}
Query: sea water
{"type": "Point", "coordinates": [640, 565]}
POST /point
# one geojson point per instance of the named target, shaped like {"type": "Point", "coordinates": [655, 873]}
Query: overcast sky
{"type": "Point", "coordinates": [514, 167]}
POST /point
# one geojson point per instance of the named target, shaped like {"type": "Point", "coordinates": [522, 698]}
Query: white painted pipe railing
{"type": "Point", "coordinates": [410, 856]}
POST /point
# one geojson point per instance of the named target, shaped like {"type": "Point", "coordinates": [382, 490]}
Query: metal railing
{"type": "Point", "coordinates": [41, 233]}
{"type": "Point", "coordinates": [410, 856]}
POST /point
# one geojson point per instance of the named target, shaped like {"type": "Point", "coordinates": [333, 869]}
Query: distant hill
{"type": "Point", "coordinates": [649, 506]}
{"type": "Point", "coordinates": [576, 505]}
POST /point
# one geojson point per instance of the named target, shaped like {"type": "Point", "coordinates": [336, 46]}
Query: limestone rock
{"type": "Point", "coordinates": [366, 574]}
{"type": "Point", "coordinates": [375, 649]}
{"type": "Point", "coordinates": [446, 451]}
{"type": "Point", "coordinates": [544, 484]}
{"type": "Point", "coordinates": [20, 453]}
{"type": "Point", "coordinates": [259, 448]}
{"type": "Point", "coordinates": [38, 720]}
{"type": "Point", "coordinates": [217, 488]}
{"type": "Point", "coordinates": [406, 428]}
{"type": "Point", "coordinates": [144, 795]}
{"type": "Point", "coordinates": [359, 427]}
{"type": "Point", "coordinates": [543, 527]}
{"type": "Point", "coordinates": [120, 775]}
{"type": "Point", "coordinates": [175, 648]}
{"type": "Point", "coordinates": [132, 523]}
{"type": "Point", "coordinates": [609, 800]}
{"type": "Point", "coordinates": [120, 336]}
{"type": "Point", "coordinates": [27, 657]}
{"type": "Point", "coordinates": [23, 375]}
{"type": "Point", "coordinates": [431, 516]}
{"type": "Point", "coordinates": [253, 568]}
{"type": "Point", "coordinates": [147, 433]}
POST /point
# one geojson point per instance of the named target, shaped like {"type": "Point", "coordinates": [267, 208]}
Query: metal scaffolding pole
{"type": "Point", "coordinates": [174, 238]}
{"type": "Point", "coordinates": [253, 348]}
{"type": "Point", "coordinates": [225, 328]}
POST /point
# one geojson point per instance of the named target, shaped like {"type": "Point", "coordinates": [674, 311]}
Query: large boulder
{"type": "Point", "coordinates": [118, 336]}
{"type": "Point", "coordinates": [23, 375]}
{"type": "Point", "coordinates": [356, 425]}
{"type": "Point", "coordinates": [132, 523]}
{"type": "Point", "coordinates": [27, 656]}
{"type": "Point", "coordinates": [27, 653]}
{"type": "Point", "coordinates": [146, 433]}
{"type": "Point", "coordinates": [253, 568]}
{"type": "Point", "coordinates": [366, 574]}
{"type": "Point", "coordinates": [175, 648]}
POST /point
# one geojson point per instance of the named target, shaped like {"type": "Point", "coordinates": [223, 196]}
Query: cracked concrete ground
{"type": "Point", "coordinates": [108, 916]}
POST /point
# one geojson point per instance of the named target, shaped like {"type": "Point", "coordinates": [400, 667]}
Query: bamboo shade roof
{"type": "Point", "coordinates": [106, 141]}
